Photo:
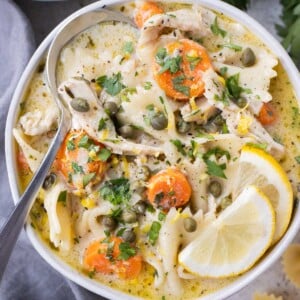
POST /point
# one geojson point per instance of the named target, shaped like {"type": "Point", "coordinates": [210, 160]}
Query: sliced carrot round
{"type": "Point", "coordinates": [146, 11]}
{"type": "Point", "coordinates": [77, 159]}
{"type": "Point", "coordinates": [187, 60]}
{"type": "Point", "coordinates": [22, 163]}
{"type": "Point", "coordinates": [169, 188]}
{"type": "Point", "coordinates": [103, 256]}
{"type": "Point", "coordinates": [267, 114]}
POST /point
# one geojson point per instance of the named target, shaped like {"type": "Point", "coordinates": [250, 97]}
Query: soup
{"type": "Point", "coordinates": [180, 170]}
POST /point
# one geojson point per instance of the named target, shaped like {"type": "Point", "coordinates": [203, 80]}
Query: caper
{"type": "Point", "coordinates": [127, 131]}
{"type": "Point", "coordinates": [159, 121]}
{"type": "Point", "coordinates": [111, 108]}
{"type": "Point", "coordinates": [215, 188]}
{"type": "Point", "coordinates": [109, 223]}
{"type": "Point", "coordinates": [128, 235]}
{"type": "Point", "coordinates": [129, 216]}
{"type": "Point", "coordinates": [49, 181]}
{"type": "Point", "coordinates": [143, 173]}
{"type": "Point", "coordinates": [190, 225]}
{"type": "Point", "coordinates": [140, 207]}
{"type": "Point", "coordinates": [80, 105]}
{"type": "Point", "coordinates": [241, 102]}
{"type": "Point", "coordinates": [218, 120]}
{"type": "Point", "coordinates": [183, 127]}
{"type": "Point", "coordinates": [248, 57]}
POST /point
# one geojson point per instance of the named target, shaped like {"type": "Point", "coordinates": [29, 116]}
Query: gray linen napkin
{"type": "Point", "coordinates": [27, 275]}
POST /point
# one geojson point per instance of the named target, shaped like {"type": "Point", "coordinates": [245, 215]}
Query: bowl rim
{"type": "Point", "coordinates": [55, 261]}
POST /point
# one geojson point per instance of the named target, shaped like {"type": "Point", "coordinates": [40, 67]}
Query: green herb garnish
{"type": "Point", "coordinates": [116, 191]}
{"type": "Point", "coordinates": [179, 146]}
{"type": "Point", "coordinates": [76, 168]}
{"type": "Point", "coordinates": [101, 124]}
{"type": "Point", "coordinates": [87, 178]}
{"type": "Point", "coordinates": [154, 232]}
{"type": "Point", "coordinates": [216, 30]}
{"type": "Point", "coordinates": [112, 85]}
{"type": "Point", "coordinates": [128, 47]}
{"type": "Point", "coordinates": [126, 251]}
{"type": "Point", "coordinates": [104, 154]}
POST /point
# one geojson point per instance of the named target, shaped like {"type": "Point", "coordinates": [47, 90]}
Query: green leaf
{"type": "Point", "coordinates": [179, 146]}
{"type": "Point", "coordinates": [223, 71]}
{"type": "Point", "coordinates": [104, 154]}
{"type": "Point", "coordinates": [232, 85]}
{"type": "Point", "coordinates": [128, 47]}
{"type": "Point", "coordinates": [116, 191]}
{"type": "Point", "coordinates": [62, 197]}
{"type": "Point", "coordinates": [87, 178]}
{"type": "Point", "coordinates": [161, 216]}
{"type": "Point", "coordinates": [126, 251]}
{"type": "Point", "coordinates": [70, 145]}
{"type": "Point", "coordinates": [193, 60]}
{"type": "Point", "coordinates": [101, 124]}
{"type": "Point", "coordinates": [161, 55]}
{"type": "Point", "coordinates": [216, 30]}
{"type": "Point", "coordinates": [112, 85]}
{"type": "Point", "coordinates": [147, 85]}
{"type": "Point", "coordinates": [234, 47]}
{"type": "Point", "coordinates": [171, 64]}
{"type": "Point", "coordinates": [262, 146]}
{"type": "Point", "coordinates": [76, 168]}
{"type": "Point", "coordinates": [154, 232]}
{"type": "Point", "coordinates": [84, 142]}
{"type": "Point", "coordinates": [214, 169]}
{"type": "Point", "coordinates": [178, 86]}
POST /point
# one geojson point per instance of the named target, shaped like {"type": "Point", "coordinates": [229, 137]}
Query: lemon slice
{"type": "Point", "coordinates": [235, 240]}
{"type": "Point", "coordinates": [256, 167]}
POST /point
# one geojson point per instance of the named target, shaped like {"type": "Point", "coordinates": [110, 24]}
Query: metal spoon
{"type": "Point", "coordinates": [68, 30]}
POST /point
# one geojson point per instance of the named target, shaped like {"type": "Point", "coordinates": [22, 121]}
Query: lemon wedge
{"type": "Point", "coordinates": [256, 167]}
{"type": "Point", "coordinates": [232, 243]}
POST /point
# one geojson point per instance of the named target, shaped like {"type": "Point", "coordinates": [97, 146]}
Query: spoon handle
{"type": "Point", "coordinates": [11, 229]}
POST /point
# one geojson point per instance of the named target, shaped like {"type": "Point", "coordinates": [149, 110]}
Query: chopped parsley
{"type": "Point", "coordinates": [84, 142]}
{"type": "Point", "coordinates": [154, 232]}
{"type": "Point", "coordinates": [87, 178]}
{"type": "Point", "coordinates": [223, 71]}
{"type": "Point", "coordinates": [262, 146]}
{"type": "Point", "coordinates": [76, 168]}
{"type": "Point", "coordinates": [101, 124]}
{"type": "Point", "coordinates": [297, 158]}
{"type": "Point", "coordinates": [112, 85]}
{"type": "Point", "coordinates": [161, 216]}
{"type": "Point", "coordinates": [232, 86]}
{"type": "Point", "coordinates": [216, 30]}
{"type": "Point", "coordinates": [104, 154]}
{"type": "Point", "coordinates": [128, 47]}
{"type": "Point", "coordinates": [147, 85]}
{"type": "Point", "coordinates": [126, 251]}
{"type": "Point", "coordinates": [193, 60]}
{"type": "Point", "coordinates": [234, 47]}
{"type": "Point", "coordinates": [116, 191]}
{"type": "Point", "coordinates": [70, 145]}
{"type": "Point", "coordinates": [178, 86]}
{"type": "Point", "coordinates": [62, 197]}
{"type": "Point", "coordinates": [166, 62]}
{"type": "Point", "coordinates": [179, 146]}
{"type": "Point", "coordinates": [213, 168]}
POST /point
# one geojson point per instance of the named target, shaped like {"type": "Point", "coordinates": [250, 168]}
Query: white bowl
{"type": "Point", "coordinates": [58, 263]}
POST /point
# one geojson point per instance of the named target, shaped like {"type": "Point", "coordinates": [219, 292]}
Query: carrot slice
{"type": "Point", "coordinates": [178, 69]}
{"type": "Point", "coordinates": [78, 162]}
{"type": "Point", "coordinates": [146, 11]}
{"type": "Point", "coordinates": [103, 256]}
{"type": "Point", "coordinates": [22, 163]}
{"type": "Point", "coordinates": [169, 188]}
{"type": "Point", "coordinates": [267, 114]}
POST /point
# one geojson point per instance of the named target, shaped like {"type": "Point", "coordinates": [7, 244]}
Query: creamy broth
{"type": "Point", "coordinates": [99, 51]}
